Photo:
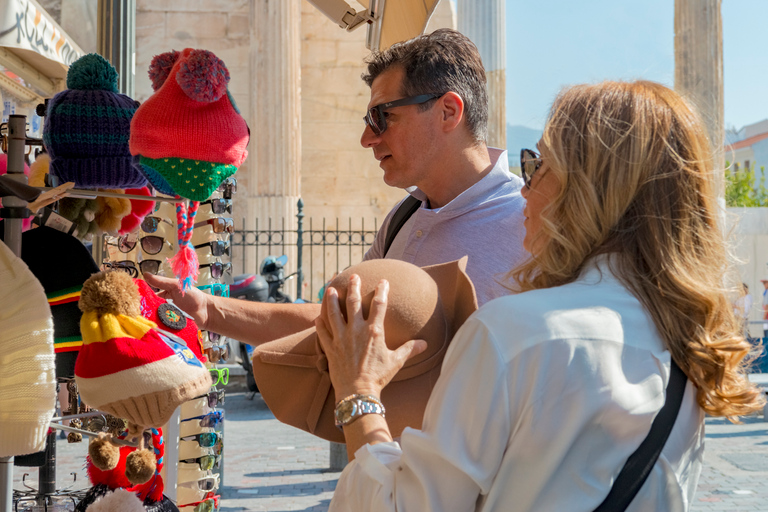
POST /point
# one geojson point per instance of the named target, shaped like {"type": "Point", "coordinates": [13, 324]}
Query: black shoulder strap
{"type": "Point", "coordinates": [407, 208]}
{"type": "Point", "coordinates": [639, 465]}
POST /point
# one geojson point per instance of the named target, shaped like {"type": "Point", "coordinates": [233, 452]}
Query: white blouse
{"type": "Point", "coordinates": [542, 398]}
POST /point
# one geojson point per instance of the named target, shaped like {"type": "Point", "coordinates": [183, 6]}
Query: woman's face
{"type": "Point", "coordinates": [544, 187]}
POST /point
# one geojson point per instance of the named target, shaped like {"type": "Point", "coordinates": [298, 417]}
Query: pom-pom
{"type": "Point", "coordinates": [184, 265]}
{"type": "Point", "coordinates": [160, 68]}
{"type": "Point", "coordinates": [38, 170]}
{"type": "Point", "coordinates": [112, 478]}
{"type": "Point", "coordinates": [203, 76]}
{"type": "Point", "coordinates": [104, 455]}
{"type": "Point", "coordinates": [92, 72]}
{"type": "Point", "coordinates": [111, 213]}
{"type": "Point", "coordinates": [110, 292]}
{"type": "Point", "coordinates": [117, 501]}
{"type": "Point", "coordinates": [140, 466]}
{"type": "Point", "coordinates": [139, 210]}
{"type": "Point", "coordinates": [153, 490]}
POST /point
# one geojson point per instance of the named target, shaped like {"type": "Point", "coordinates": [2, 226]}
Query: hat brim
{"type": "Point", "coordinates": [292, 372]}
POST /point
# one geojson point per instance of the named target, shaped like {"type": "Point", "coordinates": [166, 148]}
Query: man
{"type": "Point", "coordinates": [426, 124]}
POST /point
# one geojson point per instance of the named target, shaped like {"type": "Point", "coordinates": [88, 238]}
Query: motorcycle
{"type": "Point", "coordinates": [265, 287]}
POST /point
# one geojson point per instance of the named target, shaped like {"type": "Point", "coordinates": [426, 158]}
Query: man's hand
{"type": "Point", "coordinates": [359, 360]}
{"type": "Point", "coordinates": [194, 302]}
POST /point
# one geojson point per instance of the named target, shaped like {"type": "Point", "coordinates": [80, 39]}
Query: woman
{"type": "Point", "coordinates": [545, 394]}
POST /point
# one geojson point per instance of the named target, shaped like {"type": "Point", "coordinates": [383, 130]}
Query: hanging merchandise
{"type": "Point", "coordinates": [111, 211]}
{"type": "Point", "coordinates": [87, 128]}
{"type": "Point", "coordinates": [131, 370]}
{"type": "Point", "coordinates": [27, 379]}
{"type": "Point", "coordinates": [190, 137]}
{"type": "Point", "coordinates": [139, 210]}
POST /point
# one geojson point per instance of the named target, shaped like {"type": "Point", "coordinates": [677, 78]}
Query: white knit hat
{"type": "Point", "coordinates": [27, 378]}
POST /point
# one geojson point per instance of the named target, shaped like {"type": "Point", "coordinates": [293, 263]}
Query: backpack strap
{"type": "Point", "coordinates": [407, 208]}
{"type": "Point", "coordinates": [639, 465]}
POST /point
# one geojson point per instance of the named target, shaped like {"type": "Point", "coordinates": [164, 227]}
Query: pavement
{"type": "Point", "coordinates": [274, 467]}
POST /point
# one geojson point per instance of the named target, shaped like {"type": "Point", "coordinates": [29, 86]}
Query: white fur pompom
{"type": "Point", "coordinates": [118, 501]}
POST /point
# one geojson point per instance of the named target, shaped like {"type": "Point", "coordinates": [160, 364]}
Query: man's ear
{"type": "Point", "coordinates": [452, 110]}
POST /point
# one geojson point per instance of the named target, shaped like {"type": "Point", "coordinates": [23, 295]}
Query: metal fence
{"type": "Point", "coordinates": [316, 253]}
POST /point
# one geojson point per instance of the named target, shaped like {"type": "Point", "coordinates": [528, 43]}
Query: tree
{"type": "Point", "coordinates": [741, 188]}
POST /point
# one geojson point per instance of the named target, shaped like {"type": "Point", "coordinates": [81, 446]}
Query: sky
{"type": "Point", "coordinates": [553, 43]}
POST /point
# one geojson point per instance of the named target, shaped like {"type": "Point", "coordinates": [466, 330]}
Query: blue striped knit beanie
{"type": "Point", "coordinates": [87, 128]}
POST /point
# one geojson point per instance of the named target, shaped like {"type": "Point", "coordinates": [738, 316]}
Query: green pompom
{"type": "Point", "coordinates": [92, 72]}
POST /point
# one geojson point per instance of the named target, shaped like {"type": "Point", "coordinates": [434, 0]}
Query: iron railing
{"type": "Point", "coordinates": [322, 250]}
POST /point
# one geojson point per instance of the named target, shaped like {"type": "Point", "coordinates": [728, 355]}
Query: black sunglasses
{"type": "Point", "coordinates": [376, 118]}
{"type": "Point", "coordinates": [530, 162]}
{"type": "Point", "coordinates": [146, 266]}
{"type": "Point", "coordinates": [220, 224]}
{"type": "Point", "coordinates": [218, 247]}
{"type": "Point", "coordinates": [150, 244]}
{"type": "Point", "coordinates": [218, 268]}
{"type": "Point", "coordinates": [219, 205]}
{"type": "Point", "coordinates": [228, 187]}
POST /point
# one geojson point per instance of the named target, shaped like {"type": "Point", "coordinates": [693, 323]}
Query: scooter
{"type": "Point", "coordinates": [265, 287]}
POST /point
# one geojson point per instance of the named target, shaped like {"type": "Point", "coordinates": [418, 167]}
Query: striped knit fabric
{"type": "Point", "coordinates": [66, 335]}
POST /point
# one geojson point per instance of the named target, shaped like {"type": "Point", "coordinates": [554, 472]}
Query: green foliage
{"type": "Point", "coordinates": [741, 188]}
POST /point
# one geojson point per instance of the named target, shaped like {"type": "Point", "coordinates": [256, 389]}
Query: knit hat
{"type": "Point", "coordinates": [27, 379]}
{"type": "Point", "coordinates": [429, 304]}
{"type": "Point", "coordinates": [62, 279]}
{"type": "Point", "coordinates": [189, 132]}
{"type": "Point", "coordinates": [126, 367]}
{"type": "Point", "coordinates": [169, 318]}
{"type": "Point", "coordinates": [87, 128]}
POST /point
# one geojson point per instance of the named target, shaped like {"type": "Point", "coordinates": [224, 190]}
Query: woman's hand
{"type": "Point", "coordinates": [359, 360]}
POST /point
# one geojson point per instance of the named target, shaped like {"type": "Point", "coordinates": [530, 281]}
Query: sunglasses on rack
{"type": "Point", "coordinates": [209, 483]}
{"type": "Point", "coordinates": [124, 244]}
{"type": "Point", "coordinates": [207, 505]}
{"type": "Point", "coordinates": [215, 397]}
{"type": "Point", "coordinates": [205, 462]}
{"type": "Point", "coordinates": [221, 375]}
{"type": "Point", "coordinates": [217, 289]}
{"type": "Point", "coordinates": [205, 440]}
{"type": "Point", "coordinates": [530, 162]}
{"type": "Point", "coordinates": [151, 223]}
{"type": "Point", "coordinates": [228, 187]}
{"type": "Point", "coordinates": [127, 266]}
{"type": "Point", "coordinates": [218, 268]}
{"type": "Point", "coordinates": [220, 224]}
{"type": "Point", "coordinates": [219, 205]}
{"type": "Point", "coordinates": [376, 117]}
{"type": "Point", "coordinates": [150, 244]}
{"type": "Point", "coordinates": [209, 420]}
{"type": "Point", "coordinates": [215, 338]}
{"type": "Point", "coordinates": [218, 247]}
{"type": "Point", "coordinates": [217, 353]}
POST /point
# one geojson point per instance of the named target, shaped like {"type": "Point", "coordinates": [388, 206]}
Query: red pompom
{"type": "Point", "coordinates": [139, 210]}
{"type": "Point", "coordinates": [160, 68]}
{"type": "Point", "coordinates": [203, 76]}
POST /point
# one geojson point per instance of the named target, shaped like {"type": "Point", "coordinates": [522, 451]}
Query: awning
{"type": "Point", "coordinates": [33, 45]}
{"type": "Point", "coordinates": [403, 19]}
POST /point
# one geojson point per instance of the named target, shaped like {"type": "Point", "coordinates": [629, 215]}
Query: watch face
{"type": "Point", "coordinates": [344, 411]}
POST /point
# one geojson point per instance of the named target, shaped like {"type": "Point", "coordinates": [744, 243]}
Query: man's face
{"type": "Point", "coordinates": [406, 147]}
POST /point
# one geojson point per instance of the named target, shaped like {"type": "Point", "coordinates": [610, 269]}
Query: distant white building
{"type": "Point", "coordinates": [748, 147]}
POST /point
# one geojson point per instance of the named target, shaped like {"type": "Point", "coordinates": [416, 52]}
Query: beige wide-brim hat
{"type": "Point", "coordinates": [429, 303]}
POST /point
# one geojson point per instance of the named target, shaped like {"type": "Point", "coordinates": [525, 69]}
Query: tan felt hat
{"type": "Point", "coordinates": [429, 303]}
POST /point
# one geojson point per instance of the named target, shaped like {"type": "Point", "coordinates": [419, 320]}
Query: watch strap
{"type": "Point", "coordinates": [350, 408]}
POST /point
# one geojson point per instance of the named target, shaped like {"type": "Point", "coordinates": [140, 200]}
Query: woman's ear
{"type": "Point", "coordinates": [452, 110]}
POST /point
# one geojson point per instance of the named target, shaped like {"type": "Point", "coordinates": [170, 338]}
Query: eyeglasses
{"type": "Point", "coordinates": [218, 268]}
{"type": "Point", "coordinates": [215, 398]}
{"type": "Point", "coordinates": [205, 440]}
{"type": "Point", "coordinates": [217, 289]}
{"type": "Point", "coordinates": [530, 162]}
{"type": "Point", "coordinates": [124, 244]}
{"type": "Point", "coordinates": [211, 419]}
{"type": "Point", "coordinates": [127, 266]}
{"type": "Point", "coordinates": [376, 117]}
{"type": "Point", "coordinates": [209, 483]}
{"type": "Point", "coordinates": [207, 505]}
{"type": "Point", "coordinates": [205, 462]}
{"type": "Point", "coordinates": [222, 375]}
{"type": "Point", "coordinates": [216, 353]}
{"type": "Point", "coordinates": [219, 224]}
{"type": "Point", "coordinates": [228, 187]}
{"type": "Point", "coordinates": [150, 224]}
{"type": "Point", "coordinates": [149, 244]}
{"type": "Point", "coordinates": [218, 247]}
{"type": "Point", "coordinates": [149, 266]}
{"type": "Point", "coordinates": [219, 205]}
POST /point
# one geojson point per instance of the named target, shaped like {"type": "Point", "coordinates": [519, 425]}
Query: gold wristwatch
{"type": "Point", "coordinates": [352, 407]}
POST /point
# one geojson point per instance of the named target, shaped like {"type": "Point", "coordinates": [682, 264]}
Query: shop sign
{"type": "Point", "coordinates": [24, 24]}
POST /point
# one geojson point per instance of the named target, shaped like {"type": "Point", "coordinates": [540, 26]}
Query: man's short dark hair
{"type": "Point", "coordinates": [442, 61]}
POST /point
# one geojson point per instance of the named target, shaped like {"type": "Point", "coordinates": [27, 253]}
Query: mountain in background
{"type": "Point", "coordinates": [519, 137]}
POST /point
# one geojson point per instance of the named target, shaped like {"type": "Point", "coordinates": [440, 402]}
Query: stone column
{"type": "Point", "coordinates": [699, 68]}
{"type": "Point", "coordinates": [273, 182]}
{"type": "Point", "coordinates": [483, 22]}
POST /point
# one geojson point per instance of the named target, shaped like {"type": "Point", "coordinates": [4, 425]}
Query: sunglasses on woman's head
{"type": "Point", "coordinates": [376, 117]}
{"type": "Point", "coordinates": [218, 268]}
{"type": "Point", "coordinates": [219, 205]}
{"type": "Point", "coordinates": [530, 162]}
{"type": "Point", "coordinates": [220, 224]}
{"type": "Point", "coordinates": [218, 247]}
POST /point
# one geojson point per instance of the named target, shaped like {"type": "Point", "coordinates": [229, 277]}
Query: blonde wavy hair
{"type": "Point", "coordinates": [636, 169]}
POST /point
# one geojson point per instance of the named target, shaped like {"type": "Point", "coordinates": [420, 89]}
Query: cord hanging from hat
{"type": "Point", "coordinates": [184, 264]}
